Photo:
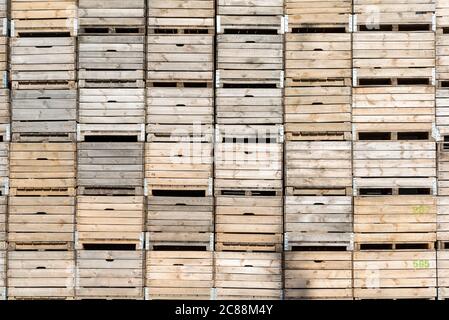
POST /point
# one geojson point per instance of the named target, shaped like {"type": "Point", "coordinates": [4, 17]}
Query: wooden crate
{"type": "Point", "coordinates": [109, 220]}
{"type": "Point", "coordinates": [43, 63]}
{"type": "Point", "coordinates": [443, 274]}
{"type": "Point", "coordinates": [251, 24]}
{"type": "Point", "coordinates": [181, 16]}
{"type": "Point", "coordinates": [111, 17]}
{"type": "Point", "coordinates": [442, 13]}
{"type": "Point", "coordinates": [111, 61]}
{"type": "Point", "coordinates": [393, 58]}
{"type": "Point", "coordinates": [442, 62]}
{"type": "Point", "coordinates": [110, 168]}
{"type": "Point", "coordinates": [115, 111]}
{"type": "Point", "coordinates": [41, 275]}
{"type": "Point", "coordinates": [180, 58]}
{"type": "Point", "coordinates": [248, 168]}
{"type": "Point", "coordinates": [4, 51]}
{"type": "Point", "coordinates": [324, 15]}
{"type": "Point", "coordinates": [3, 222]}
{"type": "Point", "coordinates": [318, 275]}
{"type": "Point", "coordinates": [2, 274]}
{"type": "Point", "coordinates": [318, 59]}
{"type": "Point", "coordinates": [318, 113]}
{"type": "Point", "coordinates": [394, 165]}
{"type": "Point", "coordinates": [195, 132]}
{"type": "Point", "coordinates": [248, 223]}
{"type": "Point", "coordinates": [179, 275]}
{"type": "Point", "coordinates": [248, 276]}
{"type": "Point", "coordinates": [109, 274]}
{"type": "Point", "coordinates": [443, 222]}
{"type": "Point", "coordinates": [318, 168]}
{"type": "Point", "coordinates": [180, 221]}
{"type": "Point", "coordinates": [41, 223]}
{"type": "Point", "coordinates": [249, 132]}
{"type": "Point", "coordinates": [249, 106]}
{"type": "Point", "coordinates": [251, 7]}
{"type": "Point", "coordinates": [443, 167]}
{"type": "Point", "coordinates": [250, 59]}
{"type": "Point", "coordinates": [168, 106]}
{"type": "Point", "coordinates": [395, 221]}
{"type": "Point", "coordinates": [395, 274]}
{"type": "Point", "coordinates": [442, 111]}
{"type": "Point", "coordinates": [375, 14]}
{"type": "Point", "coordinates": [31, 17]}
{"type": "Point", "coordinates": [4, 14]}
{"type": "Point", "coordinates": [44, 115]}
{"type": "Point", "coordinates": [393, 108]}
{"type": "Point", "coordinates": [42, 169]}
{"type": "Point", "coordinates": [312, 221]}
{"type": "Point", "coordinates": [4, 165]}
{"type": "Point", "coordinates": [179, 166]}
{"type": "Point", "coordinates": [5, 114]}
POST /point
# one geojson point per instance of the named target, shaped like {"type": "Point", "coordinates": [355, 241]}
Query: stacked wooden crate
{"type": "Point", "coordinates": [249, 149]}
{"type": "Point", "coordinates": [3, 247]}
{"type": "Point", "coordinates": [394, 152]}
{"type": "Point", "coordinates": [4, 58]}
{"type": "Point", "coordinates": [179, 149]}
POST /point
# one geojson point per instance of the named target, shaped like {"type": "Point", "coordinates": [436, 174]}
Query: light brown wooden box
{"type": "Point", "coordinates": [235, 24]}
{"type": "Point", "coordinates": [41, 223]}
{"type": "Point", "coordinates": [109, 274]}
{"type": "Point", "coordinates": [443, 221]}
{"type": "Point", "coordinates": [251, 7]}
{"type": "Point", "coordinates": [118, 111]}
{"type": "Point", "coordinates": [442, 62]}
{"type": "Point", "coordinates": [248, 276]}
{"type": "Point", "coordinates": [250, 59]}
{"type": "Point", "coordinates": [44, 115]}
{"type": "Point", "coordinates": [110, 220]}
{"type": "Point", "coordinates": [2, 274]}
{"type": "Point", "coordinates": [443, 274]}
{"type": "Point", "coordinates": [114, 168]}
{"type": "Point", "coordinates": [179, 166]}
{"type": "Point", "coordinates": [395, 220]}
{"type": "Point", "coordinates": [5, 113]}
{"type": "Point", "coordinates": [4, 13]}
{"type": "Point", "coordinates": [180, 58]}
{"type": "Point", "coordinates": [443, 169]}
{"type": "Point", "coordinates": [4, 55]}
{"type": "Point", "coordinates": [180, 221]}
{"type": "Point", "coordinates": [319, 14]}
{"type": "Point", "coordinates": [442, 13]}
{"type": "Point", "coordinates": [394, 58]}
{"type": "Point", "coordinates": [318, 275]}
{"type": "Point", "coordinates": [249, 106]}
{"type": "Point", "coordinates": [3, 233]}
{"type": "Point", "coordinates": [111, 61]}
{"type": "Point", "coordinates": [442, 110]}
{"type": "Point", "coordinates": [314, 221]}
{"type": "Point", "coordinates": [173, 275]}
{"type": "Point", "coordinates": [37, 17]}
{"type": "Point", "coordinates": [41, 275]}
{"type": "Point", "coordinates": [250, 224]}
{"type": "Point", "coordinates": [43, 63]}
{"type": "Point", "coordinates": [318, 168]}
{"type": "Point", "coordinates": [44, 169]}
{"type": "Point", "coordinates": [390, 12]}
{"type": "Point", "coordinates": [395, 274]}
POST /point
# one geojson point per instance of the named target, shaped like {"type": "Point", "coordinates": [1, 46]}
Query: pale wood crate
{"type": "Point", "coordinates": [4, 51]}
{"type": "Point", "coordinates": [3, 215]}
{"type": "Point", "coordinates": [395, 274]}
{"type": "Point", "coordinates": [109, 274]}
{"type": "Point", "coordinates": [318, 167]}
{"type": "Point", "coordinates": [395, 220]}
{"type": "Point", "coordinates": [443, 168]}
{"type": "Point", "coordinates": [41, 223]}
{"type": "Point", "coordinates": [111, 61]}
{"type": "Point", "coordinates": [41, 275]}
{"type": "Point", "coordinates": [248, 167]}
{"type": "Point", "coordinates": [177, 220]}
{"type": "Point", "coordinates": [409, 108]}
{"type": "Point", "coordinates": [442, 13]}
{"type": "Point", "coordinates": [114, 168]}
{"type": "Point", "coordinates": [250, 59]}
{"type": "Point", "coordinates": [318, 113]}
{"type": "Point", "coordinates": [4, 164]}
{"type": "Point", "coordinates": [443, 274]}
{"type": "Point", "coordinates": [180, 58]}
{"type": "Point", "coordinates": [5, 113]}
{"type": "Point", "coordinates": [442, 62]}
{"type": "Point", "coordinates": [251, 7]}
{"type": "Point", "coordinates": [178, 166]}
{"type": "Point", "coordinates": [395, 164]}
{"type": "Point", "coordinates": [250, 224]}
{"type": "Point", "coordinates": [394, 58]}
{"type": "Point", "coordinates": [43, 63]}
{"type": "Point", "coordinates": [249, 106]}
{"type": "Point", "coordinates": [179, 275]}
{"type": "Point", "coordinates": [248, 276]}
{"type": "Point", "coordinates": [313, 221]}
{"type": "Point", "coordinates": [115, 111]}
{"type": "Point", "coordinates": [252, 132]}
{"type": "Point", "coordinates": [371, 13]}
{"type": "Point", "coordinates": [2, 273]}
{"type": "Point", "coordinates": [44, 17]}
{"type": "Point", "coordinates": [318, 14]}
{"type": "Point", "coordinates": [42, 169]}
{"type": "Point", "coordinates": [251, 24]}
{"type": "Point", "coordinates": [111, 16]}
{"type": "Point", "coordinates": [318, 275]}
{"type": "Point", "coordinates": [110, 220]}
{"type": "Point", "coordinates": [44, 115]}
{"type": "Point", "coordinates": [443, 221]}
